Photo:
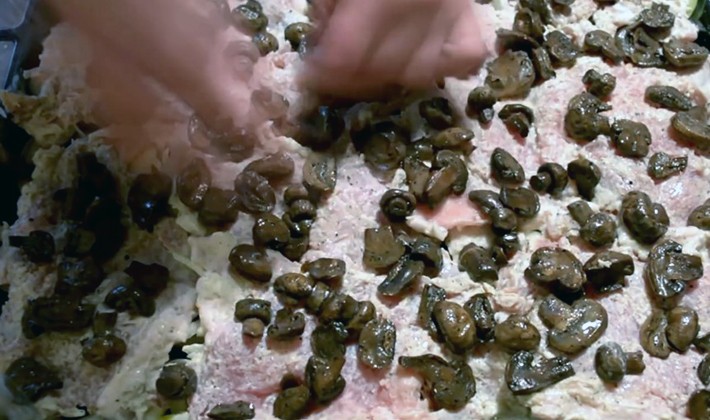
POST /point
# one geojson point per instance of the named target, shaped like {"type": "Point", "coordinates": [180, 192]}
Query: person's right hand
{"type": "Point", "coordinates": [363, 46]}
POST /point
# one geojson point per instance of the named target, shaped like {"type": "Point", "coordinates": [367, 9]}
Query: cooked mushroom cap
{"type": "Point", "coordinates": [668, 270]}
{"type": "Point", "coordinates": [582, 120]}
{"type": "Point", "coordinates": [653, 335]}
{"type": "Point", "coordinates": [682, 327]}
{"type": "Point", "coordinates": [376, 344]}
{"type": "Point", "coordinates": [524, 375]}
{"type": "Point", "coordinates": [556, 267]}
{"type": "Point", "coordinates": [668, 97]}
{"type": "Point", "coordinates": [662, 166]}
{"type": "Point", "coordinates": [573, 328]}
{"type": "Point", "coordinates": [647, 221]}
{"type": "Point", "coordinates": [692, 126]}
{"type": "Point", "coordinates": [511, 75]}
{"type": "Point", "coordinates": [447, 385]}
{"type": "Point", "coordinates": [606, 270]}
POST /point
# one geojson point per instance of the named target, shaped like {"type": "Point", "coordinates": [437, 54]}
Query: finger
{"type": "Point", "coordinates": [464, 50]}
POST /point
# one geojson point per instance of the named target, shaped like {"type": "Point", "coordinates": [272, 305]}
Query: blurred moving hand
{"type": "Point", "coordinates": [363, 46]}
{"type": "Point", "coordinates": [143, 48]}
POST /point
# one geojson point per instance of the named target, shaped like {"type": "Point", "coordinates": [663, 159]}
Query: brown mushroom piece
{"type": "Point", "coordinates": [639, 47]}
{"type": "Point", "coordinates": [148, 199]}
{"type": "Point", "coordinates": [653, 335]}
{"type": "Point", "coordinates": [219, 208]}
{"type": "Point", "coordinates": [561, 48]}
{"type": "Point", "coordinates": [431, 294]}
{"type": "Point", "coordinates": [295, 192]}
{"type": "Point", "coordinates": [583, 120]}
{"type": "Point", "coordinates": [586, 175]}
{"type": "Point", "coordinates": [606, 270]}
{"type": "Point", "coordinates": [597, 229]}
{"type": "Point", "coordinates": [480, 309]}
{"type": "Point", "coordinates": [397, 204]}
{"type": "Point", "coordinates": [240, 410]}
{"type": "Point", "coordinates": [287, 325]}
{"type": "Point", "coordinates": [254, 314]}
{"type": "Point", "coordinates": [323, 378]}
{"type": "Point", "coordinates": [699, 405]}
{"type": "Point", "coordinates": [425, 249]}
{"type": "Point", "coordinates": [556, 268]}
{"type": "Point", "coordinates": [364, 313]}
{"type": "Point", "coordinates": [103, 350]}
{"type": "Point", "coordinates": [421, 149]}
{"type": "Point", "coordinates": [376, 343]}
{"type": "Point", "coordinates": [702, 343]}
{"type": "Point", "coordinates": [130, 299]}
{"type": "Point", "coordinates": [599, 85]}
{"type": "Point", "coordinates": [524, 375]}
{"type": "Point", "coordinates": [29, 380]}
{"type": "Point", "coordinates": [510, 75]}
{"type": "Point", "coordinates": [668, 97]}
{"type": "Point", "coordinates": [630, 138]}
{"type": "Point", "coordinates": [646, 221]}
{"type": "Point", "coordinates": [663, 166]}
{"type": "Point", "coordinates": [700, 216]}
{"type": "Point", "coordinates": [293, 288]}
{"type": "Point", "coordinates": [528, 22]}
{"type": "Point", "coordinates": [504, 247]}
{"type": "Point", "coordinates": [611, 362]}
{"type": "Point", "coordinates": [328, 340]}
{"type": "Point", "coordinates": [447, 385]}
{"type": "Point", "coordinates": [319, 173]}
{"type": "Point", "coordinates": [273, 167]}
{"type": "Point", "coordinates": [418, 175]}
{"type": "Point", "coordinates": [446, 158]}
{"type": "Point", "coordinates": [505, 168]}
{"type": "Point", "coordinates": [382, 250]}
{"type": "Point", "coordinates": [437, 112]}
{"type": "Point", "coordinates": [454, 325]}
{"type": "Point", "coordinates": [682, 327]}
{"type": "Point", "coordinates": [251, 262]}
{"type": "Point", "coordinates": [551, 178]}
{"type": "Point", "coordinates": [38, 245]}
{"type": "Point", "coordinates": [265, 42]}
{"type": "Point", "coordinates": [383, 145]}
{"type": "Point", "coordinates": [325, 269]}
{"type": "Point", "coordinates": [319, 128]}
{"type": "Point", "coordinates": [296, 248]}
{"type": "Point", "coordinates": [177, 380]}
{"type": "Point", "coordinates": [516, 333]}
{"type": "Point", "coordinates": [270, 231]}
{"type": "Point", "coordinates": [657, 17]}
{"type": "Point", "coordinates": [292, 403]}
{"type": "Point", "coordinates": [692, 126]}
{"type": "Point", "coordinates": [78, 276]}
{"type": "Point", "coordinates": [401, 277]}
{"type": "Point", "coordinates": [513, 40]}
{"type": "Point", "coordinates": [297, 35]}
{"type": "Point", "coordinates": [480, 103]}
{"type": "Point", "coordinates": [254, 193]}
{"type": "Point", "coordinates": [55, 313]}
{"type": "Point", "coordinates": [477, 262]}
{"type": "Point", "coordinates": [542, 8]}
{"type": "Point", "coordinates": [704, 370]}
{"type": "Point", "coordinates": [338, 307]}
{"type": "Point", "coordinates": [524, 202]}
{"type": "Point", "coordinates": [600, 42]}
{"type": "Point", "coordinates": [575, 327]}
{"type": "Point", "coordinates": [668, 271]}
{"type": "Point", "coordinates": [518, 118]}
{"type": "Point", "coordinates": [684, 54]}
{"type": "Point", "coordinates": [542, 63]}
{"type": "Point", "coordinates": [249, 17]}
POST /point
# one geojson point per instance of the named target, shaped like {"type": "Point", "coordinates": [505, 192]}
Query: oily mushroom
{"type": "Point", "coordinates": [444, 158]}
{"type": "Point", "coordinates": [586, 175]}
{"type": "Point", "coordinates": [699, 405]}
{"type": "Point", "coordinates": [480, 104]}
{"type": "Point", "coordinates": [454, 325]}
{"type": "Point", "coordinates": [29, 380]}
{"type": "Point", "coordinates": [328, 340]}
{"type": "Point", "coordinates": [516, 333]}
{"type": "Point", "coordinates": [551, 178]}
{"type": "Point", "coordinates": [668, 271]}
{"type": "Point", "coordinates": [606, 270]}
{"type": "Point", "coordinates": [382, 250]}
{"type": "Point", "coordinates": [692, 126]}
{"type": "Point", "coordinates": [523, 201]}
{"type": "Point", "coordinates": [682, 327]}
{"type": "Point", "coordinates": [662, 166]}
{"type": "Point", "coordinates": [575, 327]}
{"type": "Point", "coordinates": [447, 385]}
{"type": "Point", "coordinates": [700, 216]}
{"type": "Point", "coordinates": [177, 380]}
{"type": "Point", "coordinates": [597, 229]}
{"type": "Point", "coordinates": [556, 268]}
{"type": "Point", "coordinates": [376, 344]}
{"type": "Point", "coordinates": [646, 221]}
{"type": "Point", "coordinates": [603, 43]}
{"type": "Point", "coordinates": [653, 335]}
{"type": "Point", "coordinates": [668, 97]}
{"type": "Point", "coordinates": [250, 262]}
{"type": "Point", "coordinates": [583, 120]}
{"type": "Point", "coordinates": [611, 362]}
{"type": "Point", "coordinates": [561, 48]}
{"type": "Point", "coordinates": [477, 262]}
{"type": "Point", "coordinates": [510, 75]}
{"type": "Point", "coordinates": [505, 168]}
{"type": "Point", "coordinates": [325, 269]}
{"type": "Point", "coordinates": [598, 84]}
{"type": "Point", "coordinates": [524, 375]}
{"type": "Point", "coordinates": [431, 294]}
{"type": "Point", "coordinates": [481, 310]}
{"type": "Point", "coordinates": [631, 138]}
{"type": "Point", "coordinates": [397, 204]}
{"type": "Point", "coordinates": [401, 277]}
{"type": "Point", "coordinates": [518, 118]}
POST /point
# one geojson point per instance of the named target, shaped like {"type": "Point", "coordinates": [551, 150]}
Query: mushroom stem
{"type": "Point", "coordinates": [634, 363]}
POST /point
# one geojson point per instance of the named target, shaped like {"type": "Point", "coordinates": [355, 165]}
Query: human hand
{"type": "Point", "coordinates": [142, 50]}
{"type": "Point", "coordinates": [363, 46]}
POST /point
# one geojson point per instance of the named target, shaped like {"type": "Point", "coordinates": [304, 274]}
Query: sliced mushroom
{"type": "Point", "coordinates": [524, 375]}
{"type": "Point", "coordinates": [401, 277]}
{"type": "Point", "coordinates": [324, 379]}
{"type": "Point", "coordinates": [364, 313]}
{"type": "Point", "coordinates": [586, 175]}
{"type": "Point", "coordinates": [653, 335]}
{"type": "Point", "coordinates": [704, 370]}
{"type": "Point", "coordinates": [319, 128]}
{"type": "Point", "coordinates": [516, 333]}
{"type": "Point", "coordinates": [148, 199]}
{"type": "Point", "coordinates": [321, 292]}
{"type": "Point", "coordinates": [662, 166]}
{"type": "Point", "coordinates": [631, 138]}
{"type": "Point", "coordinates": [397, 204]}
{"type": "Point", "coordinates": [427, 250]}
{"type": "Point", "coordinates": [551, 178]}
{"type": "Point", "coordinates": [505, 168]}
{"type": "Point", "coordinates": [382, 250]}
{"type": "Point", "coordinates": [515, 40]}
{"type": "Point", "coordinates": [511, 75]}
{"type": "Point", "coordinates": [418, 175]}
{"type": "Point", "coordinates": [441, 184]}
{"type": "Point", "coordinates": [29, 380]}
{"type": "Point", "coordinates": [700, 216]}
{"type": "Point", "coordinates": [376, 344]}
{"type": "Point", "coordinates": [481, 311]}
{"type": "Point", "coordinates": [611, 362]}
{"type": "Point", "coordinates": [504, 247]}
{"type": "Point", "coordinates": [682, 327]}
{"type": "Point", "coordinates": [273, 167]}
{"type": "Point", "coordinates": [240, 410]}
{"type": "Point", "coordinates": [599, 85]}
{"type": "Point", "coordinates": [702, 343]}
{"type": "Point", "coordinates": [297, 34]}
{"type": "Point", "coordinates": [583, 120]}
{"type": "Point", "coordinates": [517, 117]}
{"type": "Point", "coordinates": [699, 405]}
{"type": "Point", "coordinates": [480, 104]}
{"type": "Point", "coordinates": [656, 17]}
{"type": "Point", "coordinates": [556, 268]}
{"type": "Point", "coordinates": [684, 54]}
{"type": "Point", "coordinates": [250, 262]}
{"type": "Point", "coordinates": [529, 22]}
{"type": "Point", "coordinates": [320, 173]}
{"type": "Point", "coordinates": [253, 308]}
{"type": "Point", "coordinates": [447, 385]}
{"type": "Point", "coordinates": [293, 288]}
{"type": "Point", "coordinates": [477, 262]}
{"type": "Point", "coordinates": [437, 112]}
{"type": "Point", "coordinates": [192, 183]}
{"type": "Point", "coordinates": [292, 403]}
{"type": "Point", "coordinates": [338, 307]}
{"type": "Point", "coordinates": [270, 231]}
{"type": "Point", "coordinates": [573, 328]}
{"type": "Point", "coordinates": [597, 229]}
{"type": "Point", "coordinates": [561, 48]}
{"type": "Point", "coordinates": [452, 138]}
{"type": "Point", "coordinates": [431, 294]}
{"type": "Point", "coordinates": [668, 270]}
{"type": "Point", "coordinates": [254, 193]}
{"type": "Point", "coordinates": [600, 42]}
{"type": "Point", "coordinates": [446, 158]}
{"type": "Point", "coordinates": [287, 325]}
{"type": "Point", "coordinates": [647, 221]}
{"type": "Point", "coordinates": [524, 202]}
{"type": "Point", "coordinates": [454, 325]}
{"type": "Point", "coordinates": [328, 340]}
{"type": "Point", "coordinates": [668, 97]}
{"type": "Point", "coordinates": [692, 126]}
{"type": "Point", "coordinates": [606, 270]}
{"type": "Point", "coordinates": [325, 269]}
{"type": "Point", "coordinates": [176, 381]}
